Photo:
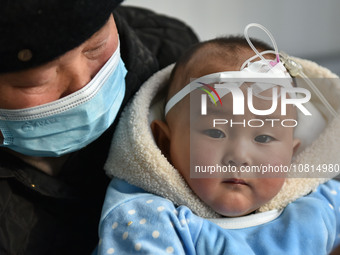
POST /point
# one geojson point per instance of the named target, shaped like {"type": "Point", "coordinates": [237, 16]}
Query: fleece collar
{"type": "Point", "coordinates": [135, 157]}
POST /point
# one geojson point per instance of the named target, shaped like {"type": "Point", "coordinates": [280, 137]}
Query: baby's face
{"type": "Point", "coordinates": [233, 194]}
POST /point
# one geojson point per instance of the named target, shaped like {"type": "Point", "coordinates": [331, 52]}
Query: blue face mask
{"type": "Point", "coordinates": [70, 123]}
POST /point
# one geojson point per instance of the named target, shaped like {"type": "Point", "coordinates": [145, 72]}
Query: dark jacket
{"type": "Point", "coordinates": [40, 214]}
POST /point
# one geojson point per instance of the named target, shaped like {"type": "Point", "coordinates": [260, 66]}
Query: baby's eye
{"type": "Point", "coordinates": [264, 138]}
{"type": "Point", "coordinates": [214, 133]}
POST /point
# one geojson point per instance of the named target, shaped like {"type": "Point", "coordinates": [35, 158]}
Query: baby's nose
{"type": "Point", "coordinates": [239, 155]}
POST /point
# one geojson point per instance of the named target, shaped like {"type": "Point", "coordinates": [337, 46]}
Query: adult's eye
{"type": "Point", "coordinates": [95, 51]}
{"type": "Point", "coordinates": [264, 138]}
{"type": "Point", "coordinates": [214, 133]}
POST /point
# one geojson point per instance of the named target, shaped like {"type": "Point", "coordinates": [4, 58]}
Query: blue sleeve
{"type": "Point", "coordinates": [331, 194]}
{"type": "Point", "coordinates": [148, 225]}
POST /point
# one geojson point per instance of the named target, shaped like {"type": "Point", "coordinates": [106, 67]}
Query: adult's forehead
{"type": "Point", "coordinates": [34, 32]}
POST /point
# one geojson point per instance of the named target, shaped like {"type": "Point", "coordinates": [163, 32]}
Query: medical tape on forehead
{"type": "Point", "coordinates": [276, 76]}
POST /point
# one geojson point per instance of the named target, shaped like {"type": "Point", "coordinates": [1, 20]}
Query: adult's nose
{"type": "Point", "coordinates": [76, 75]}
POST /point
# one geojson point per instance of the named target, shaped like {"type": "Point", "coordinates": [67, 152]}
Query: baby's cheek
{"type": "Point", "coordinates": [203, 153]}
{"type": "Point", "coordinates": [273, 186]}
{"type": "Point", "coordinates": [201, 160]}
{"type": "Point", "coordinates": [277, 159]}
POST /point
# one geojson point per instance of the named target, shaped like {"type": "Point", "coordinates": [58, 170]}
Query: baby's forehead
{"type": "Point", "coordinates": [259, 99]}
{"type": "Point", "coordinates": [207, 67]}
{"type": "Point", "coordinates": [212, 59]}
{"type": "Point", "coordinates": [208, 58]}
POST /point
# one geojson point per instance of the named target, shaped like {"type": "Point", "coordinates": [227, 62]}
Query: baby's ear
{"type": "Point", "coordinates": [296, 145]}
{"type": "Point", "coordinates": [161, 134]}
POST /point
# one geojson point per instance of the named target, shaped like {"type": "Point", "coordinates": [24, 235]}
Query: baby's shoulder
{"type": "Point", "coordinates": [329, 191]}
{"type": "Point", "coordinates": [325, 200]}
{"type": "Point", "coordinates": [126, 201]}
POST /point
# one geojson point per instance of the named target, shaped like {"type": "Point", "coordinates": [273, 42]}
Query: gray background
{"type": "Point", "coordinates": [303, 28]}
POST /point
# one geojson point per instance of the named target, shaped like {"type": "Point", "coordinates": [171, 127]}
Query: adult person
{"type": "Point", "coordinates": [52, 145]}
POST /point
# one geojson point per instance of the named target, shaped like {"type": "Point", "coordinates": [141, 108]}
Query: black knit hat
{"type": "Point", "coordinates": [33, 32]}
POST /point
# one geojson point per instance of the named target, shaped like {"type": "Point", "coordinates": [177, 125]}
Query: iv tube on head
{"type": "Point", "coordinates": [271, 38]}
{"type": "Point", "coordinates": [292, 67]}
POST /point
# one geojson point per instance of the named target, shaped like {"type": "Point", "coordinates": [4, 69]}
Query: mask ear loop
{"type": "Point", "coordinates": [276, 50]}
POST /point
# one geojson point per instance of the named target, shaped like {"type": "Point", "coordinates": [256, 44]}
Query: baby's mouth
{"type": "Point", "coordinates": [235, 181]}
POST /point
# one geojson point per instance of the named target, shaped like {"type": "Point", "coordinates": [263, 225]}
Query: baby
{"type": "Point", "coordinates": [157, 204]}
{"type": "Point", "coordinates": [238, 145]}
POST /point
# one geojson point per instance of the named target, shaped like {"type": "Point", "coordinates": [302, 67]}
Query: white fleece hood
{"type": "Point", "coordinates": [135, 157]}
